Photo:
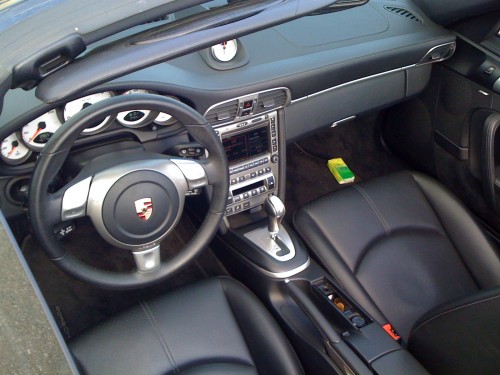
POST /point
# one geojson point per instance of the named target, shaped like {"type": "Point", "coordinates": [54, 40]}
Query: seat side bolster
{"type": "Point", "coordinates": [478, 253]}
{"type": "Point", "coordinates": [270, 350]}
{"type": "Point", "coordinates": [460, 337]}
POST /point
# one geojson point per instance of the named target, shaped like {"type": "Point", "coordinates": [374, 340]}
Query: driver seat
{"type": "Point", "coordinates": [214, 327]}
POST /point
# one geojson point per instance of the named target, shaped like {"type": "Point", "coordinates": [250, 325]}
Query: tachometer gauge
{"type": "Point", "coordinates": [225, 51]}
{"type": "Point", "coordinates": [137, 117]}
{"type": "Point", "coordinates": [14, 151]}
{"type": "Point", "coordinates": [72, 108]}
{"type": "Point", "coordinates": [37, 133]}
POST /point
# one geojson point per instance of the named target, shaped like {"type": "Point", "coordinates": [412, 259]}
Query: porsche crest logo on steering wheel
{"type": "Point", "coordinates": [144, 208]}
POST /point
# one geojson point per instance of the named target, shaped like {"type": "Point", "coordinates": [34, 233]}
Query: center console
{"type": "Point", "coordinates": [251, 129]}
{"type": "Point", "coordinates": [252, 152]}
{"type": "Point", "coordinates": [330, 331]}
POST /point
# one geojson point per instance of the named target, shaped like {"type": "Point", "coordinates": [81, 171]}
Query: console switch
{"type": "Point", "coordinates": [270, 182]}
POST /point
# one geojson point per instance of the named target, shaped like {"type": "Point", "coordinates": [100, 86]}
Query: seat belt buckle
{"type": "Point", "coordinates": [392, 332]}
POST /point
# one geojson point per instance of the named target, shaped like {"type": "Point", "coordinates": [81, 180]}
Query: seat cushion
{"type": "Point", "coordinates": [400, 245]}
{"type": "Point", "coordinates": [214, 327]}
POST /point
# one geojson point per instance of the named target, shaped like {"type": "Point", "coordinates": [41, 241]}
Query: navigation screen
{"type": "Point", "coordinates": [246, 145]}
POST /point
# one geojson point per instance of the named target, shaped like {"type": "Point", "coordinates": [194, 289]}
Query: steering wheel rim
{"type": "Point", "coordinates": [45, 207]}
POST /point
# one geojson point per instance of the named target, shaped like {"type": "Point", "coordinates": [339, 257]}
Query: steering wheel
{"type": "Point", "coordinates": [133, 199]}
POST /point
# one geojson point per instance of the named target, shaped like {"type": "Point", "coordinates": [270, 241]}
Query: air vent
{"type": "Point", "coordinates": [224, 112]}
{"type": "Point", "coordinates": [403, 13]}
{"type": "Point", "coordinates": [270, 100]}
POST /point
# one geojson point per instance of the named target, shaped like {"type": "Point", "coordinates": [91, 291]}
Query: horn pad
{"type": "Point", "coordinates": [140, 207]}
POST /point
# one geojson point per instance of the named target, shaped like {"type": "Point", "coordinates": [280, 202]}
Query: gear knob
{"type": "Point", "coordinates": [275, 211]}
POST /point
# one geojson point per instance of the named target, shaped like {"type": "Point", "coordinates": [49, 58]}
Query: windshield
{"type": "Point", "coordinates": [15, 11]}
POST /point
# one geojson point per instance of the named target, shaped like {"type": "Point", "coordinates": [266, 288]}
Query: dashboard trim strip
{"type": "Point", "coordinates": [352, 82]}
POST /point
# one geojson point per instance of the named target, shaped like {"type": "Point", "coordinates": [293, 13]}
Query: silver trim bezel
{"type": "Point", "coordinates": [252, 96]}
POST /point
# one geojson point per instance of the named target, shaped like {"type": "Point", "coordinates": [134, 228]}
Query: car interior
{"type": "Point", "coordinates": [250, 187]}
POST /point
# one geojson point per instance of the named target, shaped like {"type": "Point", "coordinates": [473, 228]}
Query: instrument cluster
{"type": "Point", "coordinates": [32, 137]}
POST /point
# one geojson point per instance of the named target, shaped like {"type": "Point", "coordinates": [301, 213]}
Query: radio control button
{"type": "Point", "coordinates": [275, 148]}
{"type": "Point", "coordinates": [253, 175]}
{"type": "Point", "coordinates": [234, 181]}
{"type": "Point", "coordinates": [262, 189]}
{"type": "Point", "coordinates": [237, 199]}
{"type": "Point", "coordinates": [266, 160]}
{"type": "Point", "coordinates": [270, 183]}
{"type": "Point", "coordinates": [237, 208]}
{"type": "Point", "coordinates": [268, 169]}
{"type": "Point", "coordinates": [246, 205]}
{"type": "Point", "coordinates": [246, 195]}
{"type": "Point", "coordinates": [230, 199]}
{"type": "Point", "coordinates": [252, 164]}
{"type": "Point", "coordinates": [241, 179]}
{"type": "Point", "coordinates": [260, 172]}
{"type": "Point", "coordinates": [229, 211]}
{"type": "Point", "coordinates": [273, 133]}
{"type": "Point", "coordinates": [254, 192]}
{"type": "Point", "coordinates": [275, 158]}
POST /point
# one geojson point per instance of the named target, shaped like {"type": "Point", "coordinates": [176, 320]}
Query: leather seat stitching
{"type": "Point", "coordinates": [445, 231]}
{"type": "Point", "coordinates": [374, 208]}
{"type": "Point", "coordinates": [452, 310]}
{"type": "Point", "coordinates": [154, 324]}
{"type": "Point", "coordinates": [308, 242]}
{"type": "Point", "coordinates": [377, 239]}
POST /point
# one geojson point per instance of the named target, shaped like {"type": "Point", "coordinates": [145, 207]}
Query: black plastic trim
{"type": "Point", "coordinates": [123, 58]}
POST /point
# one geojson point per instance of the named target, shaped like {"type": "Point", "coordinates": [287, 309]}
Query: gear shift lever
{"type": "Point", "coordinates": [275, 211]}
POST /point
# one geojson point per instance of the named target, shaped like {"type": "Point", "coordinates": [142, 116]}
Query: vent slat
{"type": "Point", "coordinates": [271, 99]}
{"type": "Point", "coordinates": [223, 112]}
{"type": "Point", "coordinates": [403, 13]}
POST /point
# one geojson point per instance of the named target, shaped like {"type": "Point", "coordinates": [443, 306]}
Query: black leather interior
{"type": "Point", "coordinates": [444, 348]}
{"type": "Point", "coordinates": [400, 245]}
{"type": "Point", "coordinates": [214, 327]}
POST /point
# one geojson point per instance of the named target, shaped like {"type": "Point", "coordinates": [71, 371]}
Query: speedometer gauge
{"type": "Point", "coordinates": [37, 133]}
{"type": "Point", "coordinates": [72, 108]}
{"type": "Point", "coordinates": [13, 151]}
{"type": "Point", "coordinates": [137, 117]}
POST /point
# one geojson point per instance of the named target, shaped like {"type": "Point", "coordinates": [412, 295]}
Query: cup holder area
{"type": "Point", "coordinates": [335, 302]}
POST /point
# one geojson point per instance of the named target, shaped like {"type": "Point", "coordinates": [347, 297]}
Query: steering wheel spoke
{"type": "Point", "coordinates": [193, 171]}
{"type": "Point", "coordinates": [147, 260]}
{"type": "Point", "coordinates": [74, 200]}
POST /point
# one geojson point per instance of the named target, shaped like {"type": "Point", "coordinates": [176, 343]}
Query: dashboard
{"type": "Point", "coordinates": [259, 91]}
{"type": "Point", "coordinates": [21, 146]}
